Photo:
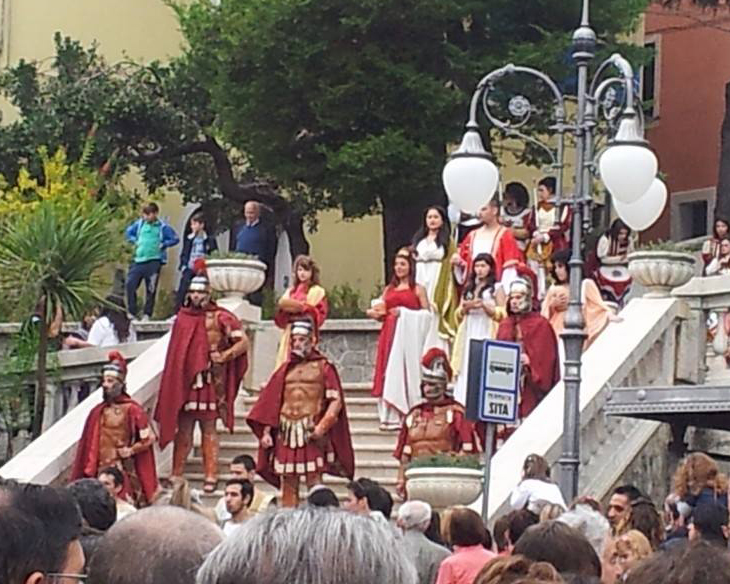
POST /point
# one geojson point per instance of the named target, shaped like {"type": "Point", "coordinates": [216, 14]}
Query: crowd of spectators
{"type": "Point", "coordinates": [72, 534]}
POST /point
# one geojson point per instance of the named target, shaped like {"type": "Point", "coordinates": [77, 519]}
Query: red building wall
{"type": "Point", "coordinates": [693, 67]}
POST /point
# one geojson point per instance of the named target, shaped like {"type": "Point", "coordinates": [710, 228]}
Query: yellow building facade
{"type": "Point", "coordinates": [144, 30]}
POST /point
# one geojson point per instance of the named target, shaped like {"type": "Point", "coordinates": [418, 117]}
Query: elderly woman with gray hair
{"type": "Point", "coordinates": [308, 546]}
{"type": "Point", "coordinates": [414, 518]}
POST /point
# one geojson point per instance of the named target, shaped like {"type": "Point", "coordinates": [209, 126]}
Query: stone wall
{"type": "Point", "coordinates": [351, 345]}
{"type": "Point", "coordinates": [651, 471]}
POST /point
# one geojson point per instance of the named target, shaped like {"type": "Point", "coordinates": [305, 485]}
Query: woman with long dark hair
{"type": "Point", "coordinates": [711, 247]}
{"type": "Point", "coordinates": [481, 307]}
{"type": "Point", "coordinates": [403, 309]}
{"type": "Point", "coordinates": [113, 327]}
{"type": "Point", "coordinates": [434, 247]}
{"type": "Point", "coordinates": [306, 295]}
{"type": "Point", "coordinates": [536, 489]}
{"type": "Point", "coordinates": [612, 250]}
{"type": "Point", "coordinates": [596, 313]}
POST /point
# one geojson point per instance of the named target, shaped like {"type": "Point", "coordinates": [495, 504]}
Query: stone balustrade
{"type": "Point", "coordinates": [639, 350]}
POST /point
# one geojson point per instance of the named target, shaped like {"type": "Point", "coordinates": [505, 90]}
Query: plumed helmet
{"type": "Point", "coordinates": [524, 286]}
{"type": "Point", "coordinates": [302, 326]}
{"type": "Point", "coordinates": [116, 366]}
{"type": "Point", "coordinates": [199, 282]}
{"type": "Point", "coordinates": [435, 367]}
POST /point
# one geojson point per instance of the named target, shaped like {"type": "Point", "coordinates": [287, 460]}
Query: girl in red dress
{"type": "Point", "coordinates": [305, 295]}
{"type": "Point", "coordinates": [403, 310]}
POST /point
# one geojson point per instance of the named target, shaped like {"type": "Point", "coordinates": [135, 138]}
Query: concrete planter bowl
{"type": "Point", "coordinates": [235, 277]}
{"type": "Point", "coordinates": [659, 271]}
{"type": "Point", "coordinates": [443, 486]}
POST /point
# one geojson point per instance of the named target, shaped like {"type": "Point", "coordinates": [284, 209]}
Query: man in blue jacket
{"type": "Point", "coordinates": [151, 237]}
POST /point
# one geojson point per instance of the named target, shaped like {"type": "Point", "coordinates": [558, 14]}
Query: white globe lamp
{"type": "Point", "coordinates": [644, 212]}
{"type": "Point", "coordinates": [628, 166]}
{"type": "Point", "coordinates": [470, 177]}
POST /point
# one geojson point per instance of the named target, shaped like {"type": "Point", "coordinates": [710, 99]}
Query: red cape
{"type": "Point", "coordinates": [187, 355]}
{"type": "Point", "coordinates": [87, 450]}
{"type": "Point", "coordinates": [266, 413]}
{"type": "Point", "coordinates": [541, 346]}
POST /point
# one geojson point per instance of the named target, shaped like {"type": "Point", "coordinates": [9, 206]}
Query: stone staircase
{"type": "Point", "coordinates": [373, 448]}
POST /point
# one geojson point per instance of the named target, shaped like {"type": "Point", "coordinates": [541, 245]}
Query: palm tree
{"type": "Point", "coordinates": [50, 260]}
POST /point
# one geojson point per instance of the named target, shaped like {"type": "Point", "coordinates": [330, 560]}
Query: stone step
{"type": "Point", "coordinates": [243, 437]}
{"type": "Point", "coordinates": [358, 421]}
{"type": "Point", "coordinates": [363, 450]}
{"type": "Point", "coordinates": [384, 465]}
{"type": "Point", "coordinates": [353, 404]}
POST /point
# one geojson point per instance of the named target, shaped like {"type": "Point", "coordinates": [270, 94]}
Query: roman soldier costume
{"type": "Point", "coordinates": [206, 361]}
{"type": "Point", "coordinates": [439, 425]}
{"type": "Point", "coordinates": [117, 434]}
{"type": "Point", "coordinates": [301, 421]}
{"type": "Point", "coordinates": [539, 343]}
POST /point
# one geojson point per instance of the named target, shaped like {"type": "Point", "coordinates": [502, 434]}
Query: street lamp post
{"type": "Point", "coordinates": [627, 168]}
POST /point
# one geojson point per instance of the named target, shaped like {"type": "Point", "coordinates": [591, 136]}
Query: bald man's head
{"type": "Point", "coordinates": [251, 211]}
{"type": "Point", "coordinates": [156, 545]}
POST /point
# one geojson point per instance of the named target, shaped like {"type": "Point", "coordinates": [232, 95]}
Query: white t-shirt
{"type": "Point", "coordinates": [102, 333]}
{"type": "Point", "coordinates": [230, 527]}
{"type": "Point", "coordinates": [221, 512]}
{"type": "Point", "coordinates": [534, 494]}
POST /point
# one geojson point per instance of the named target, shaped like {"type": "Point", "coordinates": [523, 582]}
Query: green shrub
{"type": "Point", "coordinates": [344, 302]}
{"type": "Point", "coordinates": [447, 459]}
{"type": "Point", "coordinates": [222, 254]}
{"type": "Point", "coordinates": [164, 304]}
{"type": "Point", "coordinates": [662, 245]}
{"type": "Point", "coordinates": [268, 303]}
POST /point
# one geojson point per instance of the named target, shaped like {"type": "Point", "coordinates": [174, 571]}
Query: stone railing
{"type": "Point", "coordinates": [641, 349]}
{"type": "Point", "coordinates": [48, 458]}
{"type": "Point", "coordinates": [704, 296]}
{"type": "Point", "coordinates": [77, 368]}
{"type": "Point", "coordinates": [349, 343]}
{"type": "Point", "coordinates": [145, 330]}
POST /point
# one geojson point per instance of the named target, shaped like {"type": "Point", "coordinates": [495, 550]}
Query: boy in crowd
{"type": "Point", "coordinates": [151, 237]}
{"type": "Point", "coordinates": [198, 244]}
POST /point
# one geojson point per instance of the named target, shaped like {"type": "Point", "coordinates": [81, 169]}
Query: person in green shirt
{"type": "Point", "coordinates": [151, 237]}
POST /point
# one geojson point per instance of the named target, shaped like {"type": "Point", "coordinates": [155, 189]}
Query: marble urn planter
{"type": "Point", "coordinates": [659, 271]}
{"type": "Point", "coordinates": [443, 486]}
{"type": "Point", "coordinates": [235, 277]}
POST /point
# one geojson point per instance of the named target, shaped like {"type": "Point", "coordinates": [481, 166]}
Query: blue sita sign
{"type": "Point", "coordinates": [500, 382]}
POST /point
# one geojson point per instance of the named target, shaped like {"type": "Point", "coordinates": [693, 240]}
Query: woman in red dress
{"type": "Point", "coordinates": [306, 295]}
{"type": "Point", "coordinates": [403, 310]}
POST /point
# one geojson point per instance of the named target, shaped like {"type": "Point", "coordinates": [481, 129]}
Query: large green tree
{"type": "Point", "coordinates": [351, 104]}
{"type": "Point", "coordinates": [302, 105]}
{"type": "Point", "coordinates": [155, 117]}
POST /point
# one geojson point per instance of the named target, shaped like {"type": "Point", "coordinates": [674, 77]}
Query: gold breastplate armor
{"type": "Point", "coordinates": [113, 434]}
{"type": "Point", "coordinates": [431, 434]}
{"type": "Point", "coordinates": [302, 403]}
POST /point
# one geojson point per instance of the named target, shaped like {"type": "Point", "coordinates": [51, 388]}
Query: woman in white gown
{"type": "Point", "coordinates": [481, 309]}
{"type": "Point", "coordinates": [434, 247]}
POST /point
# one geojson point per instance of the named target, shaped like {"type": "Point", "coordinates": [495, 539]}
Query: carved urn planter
{"type": "Point", "coordinates": [659, 271]}
{"type": "Point", "coordinates": [235, 277]}
{"type": "Point", "coordinates": [444, 486]}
